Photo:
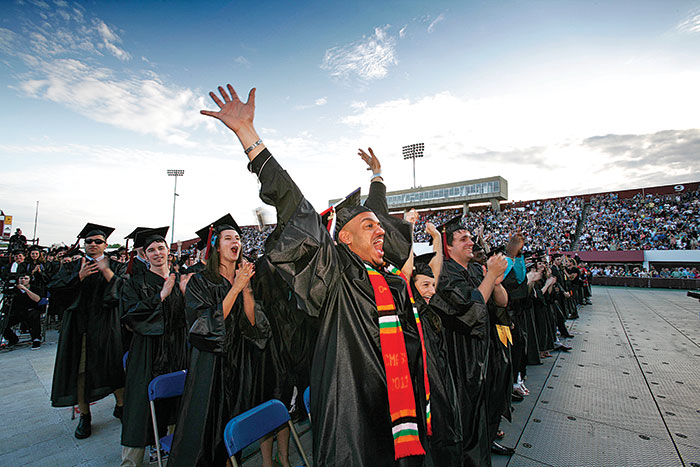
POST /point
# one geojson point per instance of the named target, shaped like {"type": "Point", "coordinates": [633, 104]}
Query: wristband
{"type": "Point", "coordinates": [253, 146]}
{"type": "Point", "coordinates": [378, 174]}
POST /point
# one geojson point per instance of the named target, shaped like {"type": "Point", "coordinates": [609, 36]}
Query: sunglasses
{"type": "Point", "coordinates": [96, 241]}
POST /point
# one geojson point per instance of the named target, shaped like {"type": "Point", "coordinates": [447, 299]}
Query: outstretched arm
{"type": "Point", "coordinates": [373, 164]}
{"type": "Point", "coordinates": [398, 238]}
{"type": "Point", "coordinates": [300, 247]}
{"type": "Point", "coordinates": [238, 117]}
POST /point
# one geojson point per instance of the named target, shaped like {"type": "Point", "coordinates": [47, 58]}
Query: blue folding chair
{"type": "Point", "coordinates": [248, 427]}
{"type": "Point", "coordinates": [164, 387]}
{"type": "Point", "coordinates": [307, 401]}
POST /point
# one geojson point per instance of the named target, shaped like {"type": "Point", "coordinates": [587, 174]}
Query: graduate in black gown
{"type": "Point", "coordinates": [520, 311]}
{"type": "Point", "coordinates": [153, 306]}
{"type": "Point", "coordinates": [446, 438]}
{"type": "Point", "coordinates": [224, 328]}
{"type": "Point", "coordinates": [465, 317]}
{"type": "Point", "coordinates": [350, 396]}
{"type": "Point", "coordinates": [89, 354]}
{"type": "Point", "coordinates": [499, 374]}
{"type": "Point", "coordinates": [446, 441]}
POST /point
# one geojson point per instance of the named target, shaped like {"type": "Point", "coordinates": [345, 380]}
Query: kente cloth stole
{"type": "Point", "coordinates": [428, 415]}
{"type": "Point", "coordinates": [402, 407]}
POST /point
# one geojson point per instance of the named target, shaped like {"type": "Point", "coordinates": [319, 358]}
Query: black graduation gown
{"type": "Point", "coordinates": [59, 298]}
{"type": "Point", "coordinates": [543, 318]}
{"type": "Point", "coordinates": [517, 304]}
{"type": "Point", "coordinates": [158, 346]}
{"type": "Point", "coordinates": [446, 441]}
{"type": "Point", "coordinates": [349, 402]}
{"type": "Point", "coordinates": [195, 268]}
{"type": "Point", "coordinates": [95, 313]}
{"type": "Point", "coordinates": [293, 339]}
{"type": "Point", "coordinates": [466, 321]}
{"type": "Point", "coordinates": [499, 374]}
{"type": "Point", "coordinates": [222, 379]}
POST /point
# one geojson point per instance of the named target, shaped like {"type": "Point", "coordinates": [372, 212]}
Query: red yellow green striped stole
{"type": "Point", "coordinates": [428, 415]}
{"type": "Point", "coordinates": [402, 407]}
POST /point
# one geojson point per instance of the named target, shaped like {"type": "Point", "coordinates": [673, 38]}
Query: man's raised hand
{"type": "Point", "coordinates": [232, 111]}
{"type": "Point", "coordinates": [371, 160]}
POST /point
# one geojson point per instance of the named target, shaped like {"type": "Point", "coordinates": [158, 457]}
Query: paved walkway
{"type": "Point", "coordinates": [628, 394]}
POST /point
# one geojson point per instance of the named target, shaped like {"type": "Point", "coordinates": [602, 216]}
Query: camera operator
{"type": "Point", "coordinates": [15, 268]}
{"type": "Point", "coordinates": [24, 309]}
{"type": "Point", "coordinates": [17, 241]}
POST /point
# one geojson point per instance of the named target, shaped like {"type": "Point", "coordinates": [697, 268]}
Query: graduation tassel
{"type": "Point", "coordinates": [444, 245]}
{"type": "Point", "coordinates": [130, 266]}
{"type": "Point", "coordinates": [208, 250]}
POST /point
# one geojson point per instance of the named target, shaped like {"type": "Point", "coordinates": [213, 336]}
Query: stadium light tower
{"type": "Point", "coordinates": [174, 173]}
{"type": "Point", "coordinates": [412, 151]}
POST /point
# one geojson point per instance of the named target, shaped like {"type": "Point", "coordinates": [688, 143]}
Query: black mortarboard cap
{"type": "Point", "coordinates": [91, 229]}
{"type": "Point", "coordinates": [344, 210]}
{"type": "Point", "coordinates": [498, 250]}
{"type": "Point", "coordinates": [224, 223]}
{"type": "Point", "coordinates": [132, 235]}
{"type": "Point", "coordinates": [145, 237]}
{"type": "Point", "coordinates": [421, 264]}
{"type": "Point", "coordinates": [451, 225]}
{"type": "Point", "coordinates": [206, 233]}
{"type": "Point", "coordinates": [35, 248]}
{"type": "Point", "coordinates": [556, 255]}
{"type": "Point", "coordinates": [74, 251]}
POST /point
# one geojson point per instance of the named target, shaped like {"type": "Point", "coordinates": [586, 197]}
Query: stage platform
{"type": "Point", "coordinates": [627, 394]}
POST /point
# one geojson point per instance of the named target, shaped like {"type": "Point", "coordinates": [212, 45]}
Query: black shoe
{"type": "Point", "coordinates": [502, 450]}
{"type": "Point", "coordinates": [118, 411]}
{"type": "Point", "coordinates": [84, 429]}
{"type": "Point", "coordinates": [12, 342]}
{"type": "Point", "coordinates": [568, 336]}
{"type": "Point", "coordinates": [515, 397]}
{"type": "Point", "coordinates": [36, 344]}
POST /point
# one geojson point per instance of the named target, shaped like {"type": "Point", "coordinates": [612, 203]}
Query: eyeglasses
{"type": "Point", "coordinates": [96, 241]}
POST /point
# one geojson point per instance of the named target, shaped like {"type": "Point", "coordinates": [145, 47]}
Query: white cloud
{"type": "Point", "coordinates": [535, 139]}
{"type": "Point", "coordinates": [241, 60]}
{"type": "Point", "coordinates": [63, 65]}
{"type": "Point", "coordinates": [691, 24]}
{"type": "Point", "coordinates": [402, 32]}
{"type": "Point", "coordinates": [321, 101]}
{"type": "Point", "coordinates": [433, 23]}
{"type": "Point", "coordinates": [366, 59]}
{"type": "Point", "coordinates": [110, 40]}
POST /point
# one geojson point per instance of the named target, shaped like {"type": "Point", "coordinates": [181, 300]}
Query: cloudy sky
{"type": "Point", "coordinates": [100, 98]}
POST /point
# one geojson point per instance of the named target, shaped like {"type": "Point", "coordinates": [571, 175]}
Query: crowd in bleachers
{"type": "Point", "coordinates": [637, 271]}
{"type": "Point", "coordinates": [547, 224]}
{"type": "Point", "coordinates": [658, 222]}
{"type": "Point", "coordinates": [650, 222]}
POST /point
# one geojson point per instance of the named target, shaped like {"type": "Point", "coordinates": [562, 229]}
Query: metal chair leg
{"type": "Point", "coordinates": [156, 435]}
{"type": "Point", "coordinates": [298, 443]}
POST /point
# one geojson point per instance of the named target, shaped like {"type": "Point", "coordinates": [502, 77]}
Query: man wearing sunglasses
{"type": "Point", "coordinates": [89, 355]}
